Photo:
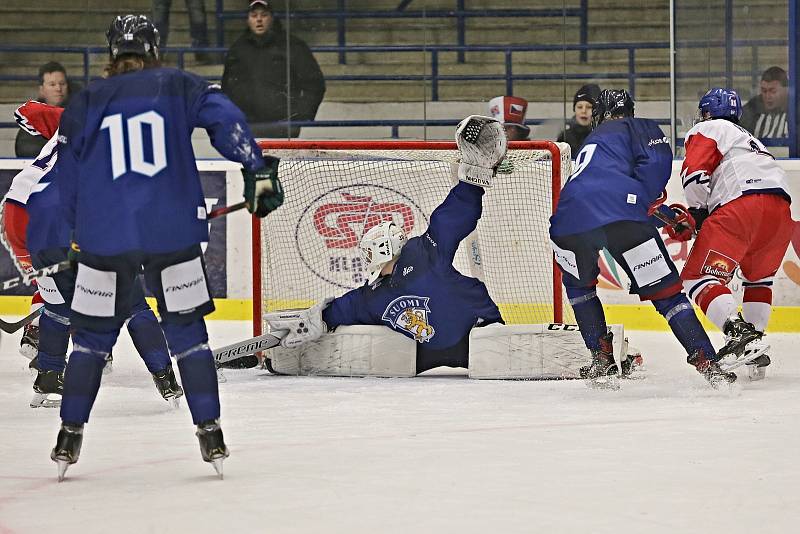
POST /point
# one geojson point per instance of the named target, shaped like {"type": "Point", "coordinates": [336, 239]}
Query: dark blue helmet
{"type": "Point", "coordinates": [133, 34]}
{"type": "Point", "coordinates": [721, 103]}
{"type": "Point", "coordinates": [612, 103]}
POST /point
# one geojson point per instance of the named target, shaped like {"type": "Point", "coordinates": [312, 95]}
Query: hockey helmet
{"type": "Point", "coordinates": [133, 34]}
{"type": "Point", "coordinates": [720, 103]}
{"type": "Point", "coordinates": [381, 244]}
{"type": "Point", "coordinates": [611, 103]}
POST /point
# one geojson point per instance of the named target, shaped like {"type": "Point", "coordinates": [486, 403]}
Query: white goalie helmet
{"type": "Point", "coordinates": [379, 245]}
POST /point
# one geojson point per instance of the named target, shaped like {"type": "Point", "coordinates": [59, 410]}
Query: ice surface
{"type": "Point", "coordinates": [435, 453]}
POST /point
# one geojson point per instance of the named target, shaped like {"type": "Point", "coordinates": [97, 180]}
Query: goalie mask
{"type": "Point", "coordinates": [380, 245]}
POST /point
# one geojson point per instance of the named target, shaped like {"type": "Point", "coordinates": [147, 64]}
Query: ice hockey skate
{"type": "Point", "coordinates": [48, 388]}
{"type": "Point", "coordinates": [68, 447]}
{"type": "Point", "coordinates": [603, 372]}
{"type": "Point", "coordinates": [29, 344]}
{"type": "Point", "coordinates": [738, 335]}
{"type": "Point", "coordinates": [168, 386]}
{"type": "Point", "coordinates": [710, 370]}
{"type": "Point", "coordinates": [212, 444]}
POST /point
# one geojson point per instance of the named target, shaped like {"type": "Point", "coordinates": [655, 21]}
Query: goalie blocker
{"type": "Point", "coordinates": [533, 351]}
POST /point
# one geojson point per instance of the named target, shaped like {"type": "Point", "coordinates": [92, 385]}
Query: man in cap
{"type": "Point", "coordinates": [510, 110]}
{"type": "Point", "coordinates": [272, 78]}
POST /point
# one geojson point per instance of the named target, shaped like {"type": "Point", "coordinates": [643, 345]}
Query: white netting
{"type": "Point", "coordinates": [309, 247]}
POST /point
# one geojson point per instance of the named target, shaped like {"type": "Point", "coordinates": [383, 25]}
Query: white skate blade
{"type": "Point", "coordinates": [62, 469]}
{"type": "Point", "coordinates": [755, 373]}
{"type": "Point", "coordinates": [217, 463]}
{"type": "Point", "coordinates": [41, 400]}
{"type": "Point", "coordinates": [752, 351]}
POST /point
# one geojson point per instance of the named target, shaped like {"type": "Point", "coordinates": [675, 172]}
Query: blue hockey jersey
{"type": "Point", "coordinates": [425, 298]}
{"type": "Point", "coordinates": [621, 169]}
{"type": "Point", "coordinates": [47, 228]}
{"type": "Point", "coordinates": [128, 176]}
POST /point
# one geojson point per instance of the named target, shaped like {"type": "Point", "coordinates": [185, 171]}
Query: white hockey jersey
{"type": "Point", "coordinates": [28, 178]}
{"type": "Point", "coordinates": [723, 162]}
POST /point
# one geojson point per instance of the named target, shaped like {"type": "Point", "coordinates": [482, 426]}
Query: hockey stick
{"type": "Point", "coordinates": [28, 278]}
{"type": "Point", "coordinates": [667, 220]}
{"type": "Point", "coordinates": [10, 328]}
{"type": "Point", "coordinates": [248, 347]}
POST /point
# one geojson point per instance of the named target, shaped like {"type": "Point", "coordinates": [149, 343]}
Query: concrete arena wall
{"type": "Point", "coordinates": [233, 263]}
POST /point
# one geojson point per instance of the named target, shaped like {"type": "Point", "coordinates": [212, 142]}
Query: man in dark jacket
{"type": "Point", "coordinates": [255, 75]}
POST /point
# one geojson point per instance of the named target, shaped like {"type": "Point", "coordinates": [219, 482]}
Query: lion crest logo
{"type": "Point", "coordinates": [410, 313]}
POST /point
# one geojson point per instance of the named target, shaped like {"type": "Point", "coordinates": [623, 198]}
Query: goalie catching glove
{"type": "Point", "coordinates": [301, 326]}
{"type": "Point", "coordinates": [482, 144]}
{"type": "Point", "coordinates": [263, 191]}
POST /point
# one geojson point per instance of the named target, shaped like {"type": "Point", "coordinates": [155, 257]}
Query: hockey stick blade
{"type": "Point", "coordinates": [10, 328]}
{"type": "Point", "coordinates": [27, 279]}
{"type": "Point", "coordinates": [246, 348]}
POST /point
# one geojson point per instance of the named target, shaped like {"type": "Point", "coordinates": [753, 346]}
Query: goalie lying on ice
{"type": "Point", "coordinates": [412, 286]}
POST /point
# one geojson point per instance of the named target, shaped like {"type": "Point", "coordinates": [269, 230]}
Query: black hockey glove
{"type": "Point", "coordinates": [263, 191]}
{"type": "Point", "coordinates": [700, 215]}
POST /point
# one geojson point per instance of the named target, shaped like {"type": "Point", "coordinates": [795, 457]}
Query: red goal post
{"type": "Point", "coordinates": [334, 190]}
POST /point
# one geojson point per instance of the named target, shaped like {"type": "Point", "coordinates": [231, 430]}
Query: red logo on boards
{"type": "Point", "coordinates": [328, 230]}
{"type": "Point", "coordinates": [719, 265]}
{"type": "Point", "coordinates": [336, 221]}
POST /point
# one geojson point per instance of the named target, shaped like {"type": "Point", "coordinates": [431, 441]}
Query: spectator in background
{"type": "Point", "coordinates": [580, 125]}
{"type": "Point", "coordinates": [764, 115]}
{"type": "Point", "coordinates": [510, 110]}
{"type": "Point", "coordinates": [54, 89]}
{"type": "Point", "coordinates": [198, 30]}
{"type": "Point", "coordinates": [255, 75]}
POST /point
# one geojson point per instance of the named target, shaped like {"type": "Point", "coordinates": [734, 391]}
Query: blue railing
{"type": "Point", "coordinates": [395, 124]}
{"type": "Point", "coordinates": [434, 77]}
{"type": "Point", "coordinates": [460, 14]}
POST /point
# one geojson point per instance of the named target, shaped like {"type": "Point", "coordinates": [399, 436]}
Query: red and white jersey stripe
{"type": "Point", "coordinates": [723, 162]}
{"type": "Point", "coordinates": [27, 180]}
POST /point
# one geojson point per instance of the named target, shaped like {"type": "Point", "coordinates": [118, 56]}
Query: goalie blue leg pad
{"type": "Point", "coordinates": [84, 371]}
{"type": "Point", "coordinates": [680, 315]}
{"type": "Point", "coordinates": [53, 342]}
{"type": "Point", "coordinates": [148, 339]}
{"type": "Point", "coordinates": [589, 314]}
{"type": "Point", "coordinates": [189, 344]}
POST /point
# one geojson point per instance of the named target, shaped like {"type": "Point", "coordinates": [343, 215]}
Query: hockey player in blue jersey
{"type": "Point", "coordinates": [619, 174]}
{"type": "Point", "coordinates": [131, 192]}
{"type": "Point", "coordinates": [47, 243]}
{"type": "Point", "coordinates": [412, 286]}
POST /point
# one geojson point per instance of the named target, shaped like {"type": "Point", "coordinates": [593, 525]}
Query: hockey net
{"type": "Point", "coordinates": [334, 191]}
